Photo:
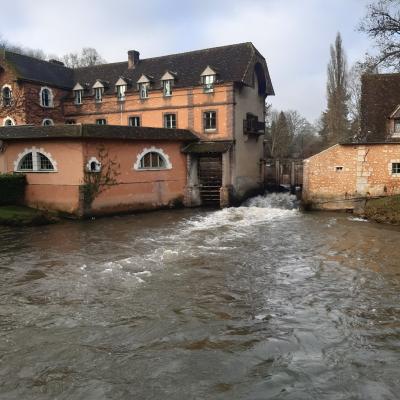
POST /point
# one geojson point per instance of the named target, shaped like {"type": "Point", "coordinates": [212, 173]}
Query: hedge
{"type": "Point", "coordinates": [12, 188]}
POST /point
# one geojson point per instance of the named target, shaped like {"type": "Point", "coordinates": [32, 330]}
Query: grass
{"type": "Point", "coordinates": [24, 216]}
{"type": "Point", "coordinates": [385, 209]}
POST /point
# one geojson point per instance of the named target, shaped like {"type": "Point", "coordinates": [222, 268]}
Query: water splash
{"type": "Point", "coordinates": [284, 201]}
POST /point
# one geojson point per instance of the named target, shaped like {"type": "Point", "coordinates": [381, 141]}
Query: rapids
{"type": "Point", "coordinates": [255, 302]}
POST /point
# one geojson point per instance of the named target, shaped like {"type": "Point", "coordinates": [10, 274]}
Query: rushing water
{"type": "Point", "coordinates": [255, 302]}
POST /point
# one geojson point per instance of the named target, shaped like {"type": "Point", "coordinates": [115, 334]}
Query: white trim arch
{"type": "Point", "coordinates": [152, 149]}
{"type": "Point", "coordinates": [10, 120]}
{"type": "Point", "coordinates": [35, 167]}
{"type": "Point", "coordinates": [51, 97]}
{"type": "Point", "coordinates": [47, 122]}
{"type": "Point", "coordinates": [89, 165]}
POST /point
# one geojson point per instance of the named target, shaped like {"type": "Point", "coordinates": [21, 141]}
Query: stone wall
{"type": "Point", "coordinates": [341, 176]}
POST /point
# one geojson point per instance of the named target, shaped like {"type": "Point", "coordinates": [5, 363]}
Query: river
{"type": "Point", "coordinates": [255, 302]}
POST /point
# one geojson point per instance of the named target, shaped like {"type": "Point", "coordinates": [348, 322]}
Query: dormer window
{"type": "Point", "coordinates": [78, 94]}
{"type": "Point", "coordinates": [397, 127]}
{"type": "Point", "coordinates": [46, 97]}
{"type": "Point", "coordinates": [121, 87]}
{"type": "Point", "coordinates": [144, 86]}
{"type": "Point", "coordinates": [208, 79]}
{"type": "Point", "coordinates": [98, 90]}
{"type": "Point", "coordinates": [6, 96]}
{"type": "Point", "coordinates": [167, 88]}
{"type": "Point", "coordinates": [98, 95]}
{"type": "Point", "coordinates": [167, 83]}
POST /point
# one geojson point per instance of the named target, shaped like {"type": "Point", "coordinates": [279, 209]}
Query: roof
{"type": "Point", "coordinates": [233, 63]}
{"type": "Point", "coordinates": [23, 132]}
{"type": "Point", "coordinates": [380, 96]}
{"type": "Point", "coordinates": [208, 147]}
{"type": "Point", "coordinates": [35, 70]}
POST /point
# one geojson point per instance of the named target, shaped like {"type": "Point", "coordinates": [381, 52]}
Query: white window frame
{"type": "Point", "coordinates": [208, 83]}
{"type": "Point", "coordinates": [35, 163]}
{"type": "Point", "coordinates": [9, 119]}
{"type": "Point", "coordinates": [78, 95]}
{"type": "Point", "coordinates": [47, 122]}
{"type": "Point", "coordinates": [101, 119]}
{"type": "Point", "coordinates": [390, 168]}
{"type": "Point", "coordinates": [205, 113]}
{"type": "Point", "coordinates": [50, 97]}
{"type": "Point", "coordinates": [98, 94]}
{"type": "Point", "coordinates": [137, 165]}
{"type": "Point", "coordinates": [121, 90]}
{"type": "Point", "coordinates": [130, 119]}
{"type": "Point", "coordinates": [144, 90]}
{"type": "Point", "coordinates": [167, 87]}
{"type": "Point", "coordinates": [89, 165]}
{"type": "Point", "coordinates": [168, 119]}
{"type": "Point", "coordinates": [6, 86]}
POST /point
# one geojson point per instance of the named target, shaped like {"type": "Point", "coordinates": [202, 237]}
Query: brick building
{"type": "Point", "coordinates": [344, 175]}
{"type": "Point", "coordinates": [218, 94]}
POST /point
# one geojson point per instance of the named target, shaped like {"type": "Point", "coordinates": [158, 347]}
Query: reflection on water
{"type": "Point", "coordinates": [255, 302]}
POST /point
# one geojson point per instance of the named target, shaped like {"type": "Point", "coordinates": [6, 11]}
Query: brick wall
{"type": "Point", "coordinates": [334, 178]}
{"type": "Point", "coordinates": [26, 108]}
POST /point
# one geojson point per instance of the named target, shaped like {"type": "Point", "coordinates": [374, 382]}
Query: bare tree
{"type": "Point", "coordinates": [382, 25]}
{"type": "Point", "coordinates": [88, 57]}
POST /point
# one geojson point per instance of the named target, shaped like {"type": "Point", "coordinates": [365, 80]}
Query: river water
{"type": "Point", "coordinates": [256, 302]}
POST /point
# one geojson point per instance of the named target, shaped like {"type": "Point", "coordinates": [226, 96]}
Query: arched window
{"type": "Point", "coordinates": [34, 160]}
{"type": "Point", "coordinates": [6, 96]}
{"type": "Point", "coordinates": [93, 165]}
{"type": "Point", "coordinates": [47, 122]}
{"type": "Point", "coordinates": [8, 121]}
{"type": "Point", "coordinates": [46, 97]}
{"type": "Point", "coordinates": [152, 159]}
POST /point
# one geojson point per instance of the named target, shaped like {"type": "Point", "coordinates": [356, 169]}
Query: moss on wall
{"type": "Point", "coordinates": [386, 209]}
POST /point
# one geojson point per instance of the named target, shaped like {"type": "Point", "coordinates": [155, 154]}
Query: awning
{"type": "Point", "coordinates": [207, 147]}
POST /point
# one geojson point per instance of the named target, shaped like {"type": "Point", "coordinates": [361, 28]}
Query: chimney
{"type": "Point", "coordinates": [133, 58]}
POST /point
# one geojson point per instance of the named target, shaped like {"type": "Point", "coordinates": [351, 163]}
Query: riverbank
{"type": "Point", "coordinates": [25, 216]}
{"type": "Point", "coordinates": [385, 209]}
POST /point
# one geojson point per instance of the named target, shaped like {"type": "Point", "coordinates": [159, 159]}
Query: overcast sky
{"type": "Point", "coordinates": [293, 35]}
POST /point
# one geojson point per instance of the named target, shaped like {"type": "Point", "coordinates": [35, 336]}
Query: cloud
{"type": "Point", "coordinates": [294, 36]}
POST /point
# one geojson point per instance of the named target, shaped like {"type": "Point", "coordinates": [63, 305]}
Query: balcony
{"type": "Point", "coordinates": [252, 126]}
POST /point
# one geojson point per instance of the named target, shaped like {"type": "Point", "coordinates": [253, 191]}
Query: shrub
{"type": "Point", "coordinates": [12, 188]}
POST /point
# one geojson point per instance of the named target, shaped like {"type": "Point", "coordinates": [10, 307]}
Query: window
{"type": "Point", "coordinates": [396, 168]}
{"type": "Point", "coordinates": [101, 121]}
{"type": "Point", "coordinates": [210, 120]}
{"type": "Point", "coordinates": [167, 88]}
{"type": "Point", "coordinates": [134, 121]}
{"type": "Point", "coordinates": [47, 122]}
{"type": "Point", "coordinates": [46, 97]}
{"type": "Point", "coordinates": [8, 121]}
{"type": "Point", "coordinates": [36, 161]}
{"type": "Point", "coordinates": [98, 94]}
{"type": "Point", "coordinates": [208, 82]}
{"type": "Point", "coordinates": [152, 160]}
{"type": "Point", "coordinates": [6, 95]}
{"type": "Point", "coordinates": [121, 89]}
{"type": "Point", "coordinates": [70, 122]}
{"type": "Point", "coordinates": [170, 121]}
{"type": "Point", "coordinates": [93, 165]}
{"type": "Point", "coordinates": [26, 163]}
{"type": "Point", "coordinates": [78, 96]}
{"type": "Point", "coordinates": [338, 168]}
{"type": "Point", "coordinates": [144, 90]}
{"type": "Point", "coordinates": [397, 126]}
